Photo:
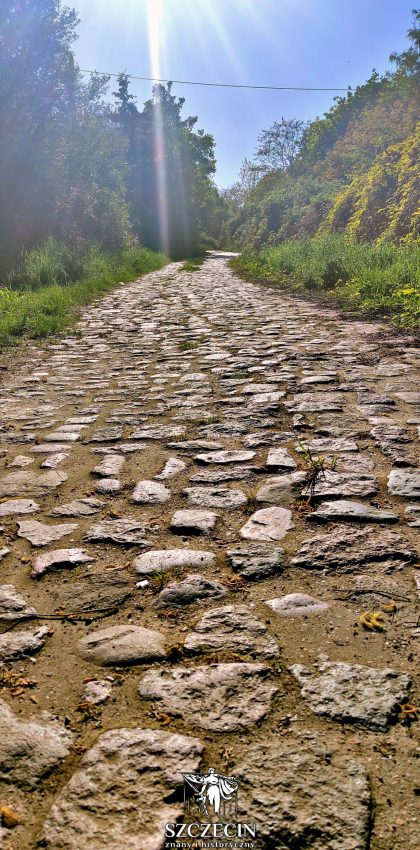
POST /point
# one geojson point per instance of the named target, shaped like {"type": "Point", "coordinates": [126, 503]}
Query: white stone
{"type": "Point", "coordinates": [161, 560]}
{"type": "Point", "coordinates": [122, 645]}
{"type": "Point", "coordinates": [150, 493]}
{"type": "Point", "coordinates": [59, 558]}
{"type": "Point", "coordinates": [18, 506]}
{"type": "Point", "coordinates": [296, 605]}
{"type": "Point", "coordinates": [40, 534]}
{"type": "Point", "coordinates": [268, 524]}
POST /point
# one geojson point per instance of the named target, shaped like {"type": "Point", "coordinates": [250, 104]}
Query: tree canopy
{"type": "Point", "coordinates": [77, 167]}
{"type": "Point", "coordinates": [352, 169]}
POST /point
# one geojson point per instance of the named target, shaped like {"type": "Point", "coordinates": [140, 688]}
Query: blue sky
{"type": "Point", "coordinates": [263, 42]}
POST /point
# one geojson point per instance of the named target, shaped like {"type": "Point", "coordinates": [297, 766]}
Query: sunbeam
{"type": "Point", "coordinates": [155, 12]}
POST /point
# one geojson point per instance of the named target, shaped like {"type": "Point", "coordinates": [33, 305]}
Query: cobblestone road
{"type": "Point", "coordinates": [182, 587]}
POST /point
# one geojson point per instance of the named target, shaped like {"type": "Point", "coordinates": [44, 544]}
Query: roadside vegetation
{"type": "Point", "coordinates": [88, 197]}
{"type": "Point", "coordinates": [193, 265]}
{"type": "Point", "coordinates": [380, 278]}
{"type": "Point", "coordinates": [47, 291]}
{"type": "Point", "coordinates": [332, 206]}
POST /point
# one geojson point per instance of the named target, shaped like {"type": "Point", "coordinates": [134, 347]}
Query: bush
{"type": "Point", "coordinates": [47, 292]}
{"type": "Point", "coordinates": [380, 277]}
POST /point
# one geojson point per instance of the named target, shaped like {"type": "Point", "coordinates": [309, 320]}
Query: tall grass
{"type": "Point", "coordinates": [380, 278]}
{"type": "Point", "coordinates": [46, 292]}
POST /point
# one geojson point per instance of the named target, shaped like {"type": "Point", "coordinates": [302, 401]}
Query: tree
{"type": "Point", "coordinates": [171, 194]}
{"type": "Point", "coordinates": [38, 83]}
{"type": "Point", "coordinates": [249, 175]}
{"type": "Point", "coordinates": [279, 145]}
{"type": "Point", "coordinates": [62, 162]}
{"type": "Point", "coordinates": [408, 62]}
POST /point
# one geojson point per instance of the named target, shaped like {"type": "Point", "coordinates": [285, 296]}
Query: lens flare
{"type": "Point", "coordinates": [155, 12]}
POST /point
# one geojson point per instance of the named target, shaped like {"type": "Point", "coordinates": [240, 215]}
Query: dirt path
{"type": "Point", "coordinates": [124, 661]}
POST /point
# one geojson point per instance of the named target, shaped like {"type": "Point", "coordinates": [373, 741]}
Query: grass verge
{"type": "Point", "coordinates": [53, 283]}
{"type": "Point", "coordinates": [193, 265]}
{"type": "Point", "coordinates": [380, 278]}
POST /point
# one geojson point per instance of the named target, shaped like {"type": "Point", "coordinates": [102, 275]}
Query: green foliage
{"type": "Point", "coordinates": [62, 161]}
{"type": "Point", "coordinates": [172, 198]}
{"type": "Point", "coordinates": [384, 201]}
{"type": "Point", "coordinates": [78, 170]}
{"type": "Point", "coordinates": [193, 265]}
{"type": "Point", "coordinates": [353, 170]}
{"type": "Point", "coordinates": [35, 304]}
{"type": "Point", "coordinates": [380, 277]}
{"type": "Point", "coordinates": [280, 207]}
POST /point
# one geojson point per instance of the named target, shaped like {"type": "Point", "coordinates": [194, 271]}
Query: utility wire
{"type": "Point", "coordinates": [213, 85]}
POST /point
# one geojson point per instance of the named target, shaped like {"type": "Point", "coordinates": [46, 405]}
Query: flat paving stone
{"type": "Point", "coordinates": [280, 459]}
{"type": "Point", "coordinates": [338, 484]}
{"type": "Point", "coordinates": [332, 445]}
{"type": "Point", "coordinates": [109, 486]}
{"type": "Point", "coordinates": [127, 532]}
{"type": "Point", "coordinates": [310, 793]}
{"type": "Point", "coordinates": [173, 466]}
{"type": "Point", "coordinates": [196, 445]}
{"type": "Point", "coordinates": [19, 644]}
{"type": "Point", "coordinates": [50, 448]}
{"type": "Point", "coordinates": [374, 591]}
{"type": "Point", "coordinates": [219, 697]}
{"type": "Point", "coordinates": [40, 534]}
{"type": "Point", "coordinates": [30, 749]}
{"type": "Point", "coordinates": [192, 589]}
{"type": "Point", "coordinates": [346, 511]}
{"type": "Point", "coordinates": [122, 645]}
{"type": "Point", "coordinates": [150, 493]}
{"type": "Point", "coordinates": [232, 628]}
{"type": "Point", "coordinates": [412, 515]}
{"type": "Point", "coordinates": [59, 558]}
{"type": "Point", "coordinates": [62, 436]}
{"type": "Point", "coordinates": [86, 812]}
{"type": "Point", "coordinates": [97, 691]}
{"type": "Point", "coordinates": [404, 483]}
{"type": "Point", "coordinates": [13, 606]}
{"type": "Point", "coordinates": [256, 561]}
{"type": "Point", "coordinates": [353, 693]}
{"type": "Point", "coordinates": [79, 507]}
{"type": "Point", "coordinates": [158, 432]}
{"type": "Point", "coordinates": [296, 605]}
{"type": "Point", "coordinates": [268, 524]}
{"type": "Point", "coordinates": [22, 483]}
{"type": "Point", "coordinates": [18, 506]}
{"type": "Point", "coordinates": [193, 522]}
{"type": "Point", "coordinates": [162, 560]}
{"type": "Point", "coordinates": [370, 548]}
{"type": "Point", "coordinates": [109, 467]}
{"type": "Point", "coordinates": [93, 591]}
{"type": "Point", "coordinates": [236, 473]}
{"type": "Point", "coordinates": [215, 497]}
{"type": "Point", "coordinates": [281, 489]}
{"type": "Point", "coordinates": [54, 460]}
{"type": "Point", "coordinates": [20, 461]}
{"type": "Point", "coordinates": [225, 457]}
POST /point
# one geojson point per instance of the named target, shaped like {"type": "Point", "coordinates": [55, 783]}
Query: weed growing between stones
{"type": "Point", "coordinates": [316, 465]}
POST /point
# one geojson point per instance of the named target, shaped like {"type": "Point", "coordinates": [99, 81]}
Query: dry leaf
{"type": "Point", "coordinates": [8, 818]}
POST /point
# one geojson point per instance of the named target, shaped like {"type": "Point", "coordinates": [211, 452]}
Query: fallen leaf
{"type": "Point", "coordinates": [8, 818]}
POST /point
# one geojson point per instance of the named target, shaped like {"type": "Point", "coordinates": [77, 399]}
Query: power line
{"type": "Point", "coordinates": [214, 85]}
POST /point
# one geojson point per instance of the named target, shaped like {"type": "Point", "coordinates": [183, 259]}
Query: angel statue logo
{"type": "Point", "coordinates": [212, 799]}
{"type": "Point", "coordinates": [212, 793]}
